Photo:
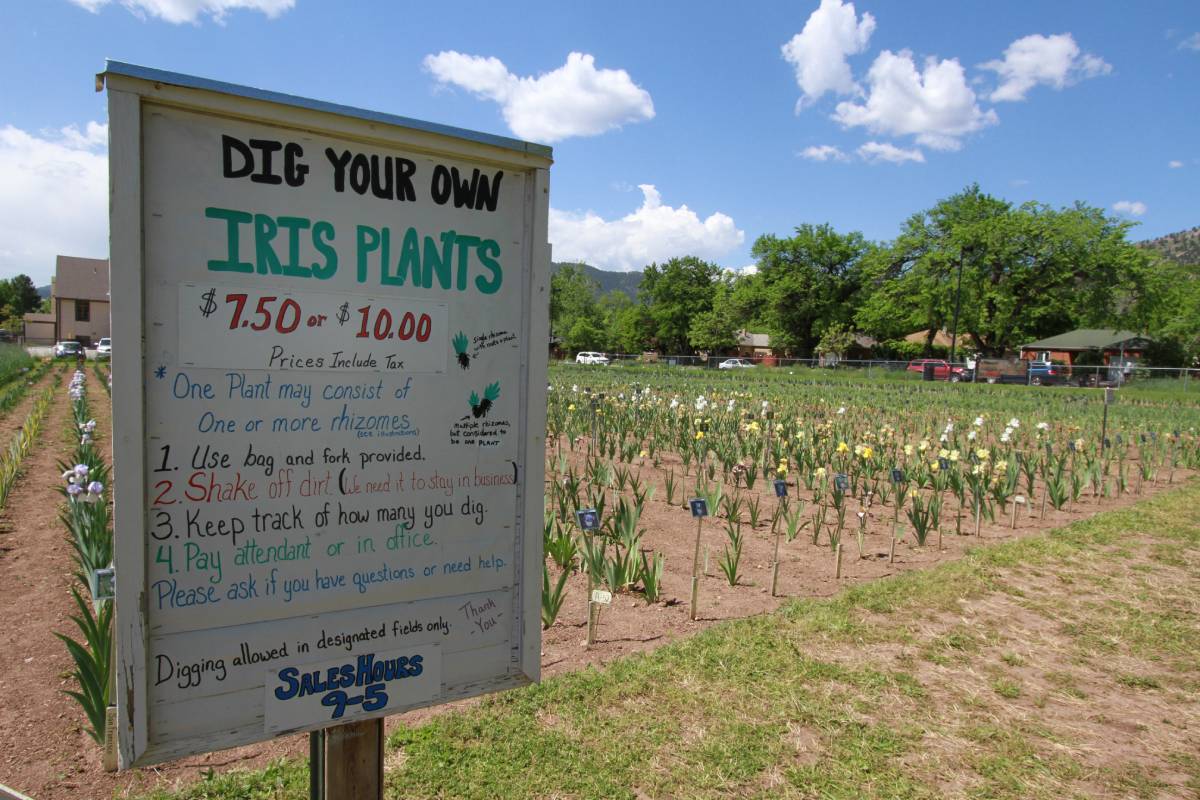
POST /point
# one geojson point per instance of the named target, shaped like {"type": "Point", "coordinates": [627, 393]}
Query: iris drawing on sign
{"type": "Point", "coordinates": [699, 507]}
{"type": "Point", "coordinates": [781, 488]}
{"type": "Point", "coordinates": [841, 482]}
{"type": "Point", "coordinates": [460, 348]}
{"type": "Point", "coordinates": [480, 408]}
{"type": "Point", "coordinates": [897, 475]}
{"type": "Point", "coordinates": [944, 463]}
{"type": "Point", "coordinates": [588, 519]}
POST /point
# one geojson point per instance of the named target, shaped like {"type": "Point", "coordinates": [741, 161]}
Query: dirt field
{"type": "Point", "coordinates": [49, 756]}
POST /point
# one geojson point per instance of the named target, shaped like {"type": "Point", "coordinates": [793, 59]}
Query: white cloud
{"type": "Point", "coordinates": [180, 11]}
{"type": "Point", "coordinates": [819, 52]}
{"type": "Point", "coordinates": [825, 152]}
{"type": "Point", "coordinates": [1050, 60]}
{"type": "Point", "coordinates": [882, 151]}
{"type": "Point", "coordinates": [935, 105]}
{"type": "Point", "coordinates": [1191, 43]}
{"type": "Point", "coordinates": [53, 198]}
{"type": "Point", "coordinates": [1175, 164]}
{"type": "Point", "coordinates": [652, 233]}
{"type": "Point", "coordinates": [574, 100]}
{"type": "Point", "coordinates": [1131, 208]}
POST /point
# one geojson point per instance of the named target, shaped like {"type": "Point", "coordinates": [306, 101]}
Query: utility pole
{"type": "Point", "coordinates": [957, 304]}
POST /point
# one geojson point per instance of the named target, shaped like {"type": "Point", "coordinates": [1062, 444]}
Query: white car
{"type": "Point", "coordinates": [588, 357]}
{"type": "Point", "coordinates": [735, 363]}
{"type": "Point", "coordinates": [104, 348]}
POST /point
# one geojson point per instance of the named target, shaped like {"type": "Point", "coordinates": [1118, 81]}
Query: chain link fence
{"type": "Point", "coordinates": [919, 369]}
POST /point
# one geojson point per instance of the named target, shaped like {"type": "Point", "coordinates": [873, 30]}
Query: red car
{"type": "Point", "coordinates": [942, 371]}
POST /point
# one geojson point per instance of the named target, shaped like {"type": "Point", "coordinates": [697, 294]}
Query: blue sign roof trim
{"type": "Point", "coordinates": [193, 82]}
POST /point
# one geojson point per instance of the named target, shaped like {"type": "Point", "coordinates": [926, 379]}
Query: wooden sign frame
{"type": "Point", "coordinates": [148, 732]}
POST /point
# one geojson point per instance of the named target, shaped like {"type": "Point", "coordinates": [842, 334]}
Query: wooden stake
{"type": "Point", "coordinates": [892, 551]}
{"type": "Point", "coordinates": [837, 573]}
{"type": "Point", "coordinates": [696, 570]}
{"type": "Point", "coordinates": [978, 513]}
{"type": "Point", "coordinates": [591, 629]}
{"type": "Point", "coordinates": [110, 739]}
{"type": "Point", "coordinates": [354, 760]}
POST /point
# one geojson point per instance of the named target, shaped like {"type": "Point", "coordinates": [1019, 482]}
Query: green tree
{"type": "Point", "coordinates": [836, 340]}
{"type": "Point", "coordinates": [1027, 272]}
{"type": "Point", "coordinates": [674, 293]}
{"type": "Point", "coordinates": [715, 331]}
{"type": "Point", "coordinates": [631, 330]}
{"type": "Point", "coordinates": [25, 297]}
{"type": "Point", "coordinates": [805, 283]}
{"type": "Point", "coordinates": [583, 334]}
{"type": "Point", "coordinates": [573, 301]}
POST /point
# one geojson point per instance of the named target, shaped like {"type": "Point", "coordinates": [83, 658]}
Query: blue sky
{"type": "Point", "coordinates": [678, 127]}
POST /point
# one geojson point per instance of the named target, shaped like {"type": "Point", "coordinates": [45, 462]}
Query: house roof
{"type": "Point", "coordinates": [747, 339]}
{"type": "Point", "coordinates": [81, 278]}
{"type": "Point", "coordinates": [1089, 339]}
{"type": "Point", "coordinates": [941, 338]}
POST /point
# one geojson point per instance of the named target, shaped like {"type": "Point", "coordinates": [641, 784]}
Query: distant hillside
{"type": "Point", "coordinates": [1182, 247]}
{"type": "Point", "coordinates": [626, 282]}
{"type": "Point", "coordinates": [43, 292]}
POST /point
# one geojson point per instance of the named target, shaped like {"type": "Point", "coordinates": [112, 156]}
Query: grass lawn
{"type": "Point", "coordinates": [1060, 666]}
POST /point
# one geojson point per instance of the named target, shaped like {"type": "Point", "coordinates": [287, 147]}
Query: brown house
{"type": "Point", "coordinates": [1066, 348]}
{"type": "Point", "coordinates": [39, 328]}
{"type": "Point", "coordinates": [753, 345]}
{"type": "Point", "coordinates": [80, 300]}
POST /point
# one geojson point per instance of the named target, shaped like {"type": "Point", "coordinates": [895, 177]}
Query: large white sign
{"type": "Point", "coordinates": [329, 357]}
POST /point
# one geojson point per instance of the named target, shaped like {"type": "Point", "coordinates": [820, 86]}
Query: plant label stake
{"type": "Point", "coordinates": [837, 570]}
{"type": "Point", "coordinates": [589, 523]}
{"type": "Point", "coordinates": [781, 493]}
{"type": "Point", "coordinates": [1019, 500]}
{"type": "Point", "coordinates": [699, 508]}
{"type": "Point", "coordinates": [768, 416]}
{"type": "Point", "coordinates": [897, 480]}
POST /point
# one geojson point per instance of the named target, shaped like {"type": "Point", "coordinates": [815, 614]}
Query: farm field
{"type": "Point", "coordinates": [939, 469]}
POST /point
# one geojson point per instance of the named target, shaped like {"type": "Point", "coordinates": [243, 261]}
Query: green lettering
{"type": "Point", "coordinates": [438, 261]}
{"type": "Point", "coordinates": [293, 226]}
{"type": "Point", "coordinates": [465, 245]}
{"type": "Point", "coordinates": [367, 240]}
{"type": "Point", "coordinates": [489, 251]}
{"type": "Point", "coordinates": [232, 220]}
{"type": "Point", "coordinates": [410, 259]}
{"type": "Point", "coordinates": [322, 231]}
{"type": "Point", "coordinates": [264, 233]}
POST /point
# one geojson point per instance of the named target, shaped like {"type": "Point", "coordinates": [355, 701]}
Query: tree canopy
{"type": "Point", "coordinates": [1027, 272]}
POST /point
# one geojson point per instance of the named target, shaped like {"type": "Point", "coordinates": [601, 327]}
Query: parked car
{"type": "Point", "coordinates": [104, 348]}
{"type": "Point", "coordinates": [942, 371]}
{"type": "Point", "coordinates": [68, 350]}
{"type": "Point", "coordinates": [1005, 370]}
{"type": "Point", "coordinates": [735, 363]}
{"type": "Point", "coordinates": [589, 357]}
